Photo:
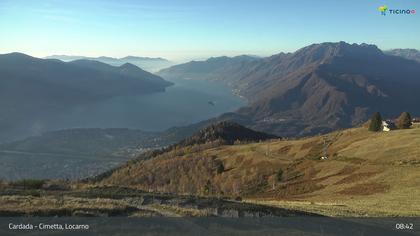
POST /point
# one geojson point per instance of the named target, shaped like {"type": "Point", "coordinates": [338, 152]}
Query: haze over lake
{"type": "Point", "coordinates": [183, 103]}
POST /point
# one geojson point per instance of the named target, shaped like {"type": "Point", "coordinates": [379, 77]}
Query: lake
{"type": "Point", "coordinates": [183, 103]}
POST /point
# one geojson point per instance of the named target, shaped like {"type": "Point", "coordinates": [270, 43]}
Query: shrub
{"type": "Point", "coordinates": [29, 183]}
{"type": "Point", "coordinates": [207, 188]}
{"type": "Point", "coordinates": [279, 175]}
{"type": "Point", "coordinates": [404, 121]}
{"type": "Point", "coordinates": [56, 186]}
{"type": "Point", "coordinates": [220, 167]}
{"type": "Point", "coordinates": [31, 192]}
{"type": "Point", "coordinates": [375, 124]}
{"type": "Point", "coordinates": [2, 184]}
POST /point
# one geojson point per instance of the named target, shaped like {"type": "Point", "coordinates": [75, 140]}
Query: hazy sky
{"type": "Point", "coordinates": [187, 29]}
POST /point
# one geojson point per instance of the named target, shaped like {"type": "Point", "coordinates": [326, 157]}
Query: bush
{"type": "Point", "coordinates": [2, 184]}
{"type": "Point", "coordinates": [56, 186]}
{"type": "Point", "coordinates": [220, 167]}
{"type": "Point", "coordinates": [404, 121]}
{"type": "Point", "coordinates": [375, 124]}
{"type": "Point", "coordinates": [31, 192]}
{"type": "Point", "coordinates": [29, 183]}
{"type": "Point", "coordinates": [207, 188]}
{"type": "Point", "coordinates": [279, 175]}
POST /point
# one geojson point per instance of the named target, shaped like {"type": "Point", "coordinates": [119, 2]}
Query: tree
{"type": "Point", "coordinates": [220, 167]}
{"type": "Point", "coordinates": [279, 175]}
{"type": "Point", "coordinates": [207, 188]}
{"type": "Point", "coordinates": [404, 121]}
{"type": "Point", "coordinates": [375, 124]}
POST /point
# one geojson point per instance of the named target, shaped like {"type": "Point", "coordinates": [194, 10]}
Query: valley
{"type": "Point", "coordinates": [87, 138]}
{"type": "Point", "coordinates": [181, 103]}
{"type": "Point", "coordinates": [135, 117]}
{"type": "Point", "coordinates": [296, 145]}
{"type": "Point", "coordinates": [362, 177]}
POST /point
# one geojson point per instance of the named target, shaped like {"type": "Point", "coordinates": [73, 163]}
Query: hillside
{"type": "Point", "coordinates": [366, 173]}
{"type": "Point", "coordinates": [82, 76]}
{"type": "Point", "coordinates": [151, 64]}
{"type": "Point", "coordinates": [126, 69]}
{"type": "Point", "coordinates": [41, 88]}
{"type": "Point", "coordinates": [225, 132]}
{"type": "Point", "coordinates": [316, 89]}
{"type": "Point", "coordinates": [215, 68]}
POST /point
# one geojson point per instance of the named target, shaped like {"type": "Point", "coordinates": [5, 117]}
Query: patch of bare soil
{"type": "Point", "coordinates": [284, 150]}
{"type": "Point", "coordinates": [309, 145]}
{"type": "Point", "coordinates": [356, 177]}
{"type": "Point", "coordinates": [365, 189]}
{"type": "Point", "coordinates": [300, 180]}
{"type": "Point", "coordinates": [407, 162]}
{"type": "Point", "coordinates": [298, 188]}
{"type": "Point", "coordinates": [345, 171]}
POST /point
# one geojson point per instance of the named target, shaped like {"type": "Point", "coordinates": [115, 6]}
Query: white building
{"type": "Point", "coordinates": [387, 125]}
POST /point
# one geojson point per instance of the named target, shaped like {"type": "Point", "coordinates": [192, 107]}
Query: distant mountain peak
{"type": "Point", "coordinates": [145, 63]}
{"type": "Point", "coordinates": [409, 50]}
{"type": "Point", "coordinates": [144, 58]}
{"type": "Point", "coordinates": [87, 61]}
{"type": "Point", "coordinates": [217, 58]}
{"type": "Point", "coordinates": [331, 49]}
{"type": "Point", "coordinates": [106, 58]}
{"type": "Point", "coordinates": [407, 53]}
{"type": "Point", "coordinates": [240, 57]}
{"type": "Point", "coordinates": [128, 65]}
{"type": "Point", "coordinates": [17, 55]}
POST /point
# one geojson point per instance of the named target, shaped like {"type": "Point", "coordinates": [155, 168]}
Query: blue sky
{"type": "Point", "coordinates": [186, 29]}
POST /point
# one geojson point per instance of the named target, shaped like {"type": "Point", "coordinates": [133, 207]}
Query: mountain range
{"type": "Point", "coordinates": [33, 88]}
{"type": "Point", "coordinates": [411, 54]}
{"type": "Point", "coordinates": [319, 88]}
{"type": "Point", "coordinates": [316, 89]}
{"type": "Point", "coordinates": [151, 64]}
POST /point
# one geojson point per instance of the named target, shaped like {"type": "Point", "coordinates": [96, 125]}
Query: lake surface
{"type": "Point", "coordinates": [183, 103]}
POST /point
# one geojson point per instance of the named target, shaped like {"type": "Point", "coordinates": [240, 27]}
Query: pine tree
{"type": "Point", "coordinates": [375, 122]}
{"type": "Point", "coordinates": [207, 188]}
{"type": "Point", "coordinates": [220, 167]}
{"type": "Point", "coordinates": [404, 121]}
{"type": "Point", "coordinates": [279, 175]}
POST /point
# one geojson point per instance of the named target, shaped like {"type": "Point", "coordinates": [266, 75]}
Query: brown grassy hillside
{"type": "Point", "coordinates": [366, 173]}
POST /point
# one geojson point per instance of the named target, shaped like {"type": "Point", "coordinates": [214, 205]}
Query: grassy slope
{"type": "Point", "coordinates": [366, 173]}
